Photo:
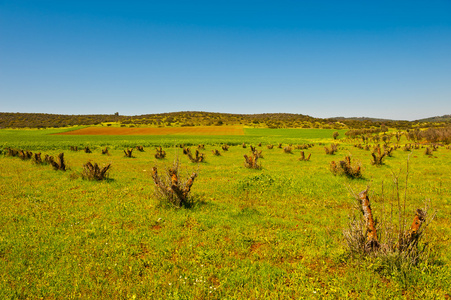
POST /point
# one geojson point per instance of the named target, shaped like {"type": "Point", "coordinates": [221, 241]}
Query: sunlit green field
{"type": "Point", "coordinates": [273, 233]}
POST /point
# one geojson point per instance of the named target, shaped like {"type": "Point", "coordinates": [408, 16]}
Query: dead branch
{"type": "Point", "coordinates": [371, 234]}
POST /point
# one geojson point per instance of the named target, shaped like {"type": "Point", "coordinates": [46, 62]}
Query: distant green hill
{"type": "Point", "coordinates": [363, 119]}
{"type": "Point", "coordinates": [199, 118]}
{"type": "Point", "coordinates": [444, 118]}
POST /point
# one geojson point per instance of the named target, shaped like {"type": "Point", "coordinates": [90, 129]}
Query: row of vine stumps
{"type": "Point", "coordinates": [399, 245]}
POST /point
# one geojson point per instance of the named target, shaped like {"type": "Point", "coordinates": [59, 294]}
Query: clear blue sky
{"type": "Point", "coordinates": [388, 59]}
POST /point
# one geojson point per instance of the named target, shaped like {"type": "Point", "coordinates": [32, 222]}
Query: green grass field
{"type": "Point", "coordinates": [44, 139]}
{"type": "Point", "coordinates": [274, 233]}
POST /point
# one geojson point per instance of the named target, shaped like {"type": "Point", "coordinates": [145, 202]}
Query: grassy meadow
{"type": "Point", "coordinates": [269, 233]}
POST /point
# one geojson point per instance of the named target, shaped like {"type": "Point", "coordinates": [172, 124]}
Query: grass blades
{"type": "Point", "coordinates": [274, 232]}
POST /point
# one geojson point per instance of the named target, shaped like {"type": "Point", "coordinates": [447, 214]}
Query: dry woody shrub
{"type": "Point", "coordinates": [377, 156]}
{"type": "Point", "coordinates": [389, 150]}
{"type": "Point", "coordinates": [170, 189]}
{"type": "Point", "coordinates": [12, 152]}
{"type": "Point", "coordinates": [366, 236]}
{"type": "Point", "coordinates": [257, 153]}
{"type": "Point", "coordinates": [160, 153]}
{"type": "Point", "coordinates": [333, 148]}
{"type": "Point", "coordinates": [407, 147]}
{"type": "Point", "coordinates": [196, 158]}
{"type": "Point", "coordinates": [345, 167]}
{"type": "Point", "coordinates": [94, 172]}
{"type": "Point", "coordinates": [128, 152]}
{"type": "Point", "coordinates": [303, 157]}
{"type": "Point", "coordinates": [252, 161]}
{"type": "Point", "coordinates": [428, 151]}
{"type": "Point", "coordinates": [25, 155]}
{"type": "Point", "coordinates": [37, 158]}
{"type": "Point", "coordinates": [302, 147]}
{"type": "Point", "coordinates": [57, 165]}
{"type": "Point", "coordinates": [436, 135]}
{"type": "Point", "coordinates": [288, 150]}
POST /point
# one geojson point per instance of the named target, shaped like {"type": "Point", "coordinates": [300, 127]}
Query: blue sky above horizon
{"type": "Point", "coordinates": [385, 59]}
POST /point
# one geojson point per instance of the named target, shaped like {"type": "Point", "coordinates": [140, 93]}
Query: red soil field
{"type": "Point", "coordinates": [201, 130]}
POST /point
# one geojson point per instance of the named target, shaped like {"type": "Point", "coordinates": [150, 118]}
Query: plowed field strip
{"type": "Point", "coordinates": [201, 130]}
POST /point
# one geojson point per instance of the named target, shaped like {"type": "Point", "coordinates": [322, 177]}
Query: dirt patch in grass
{"type": "Point", "coordinates": [201, 130]}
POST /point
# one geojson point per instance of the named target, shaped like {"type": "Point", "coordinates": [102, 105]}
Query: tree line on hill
{"type": "Point", "coordinates": [197, 118]}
